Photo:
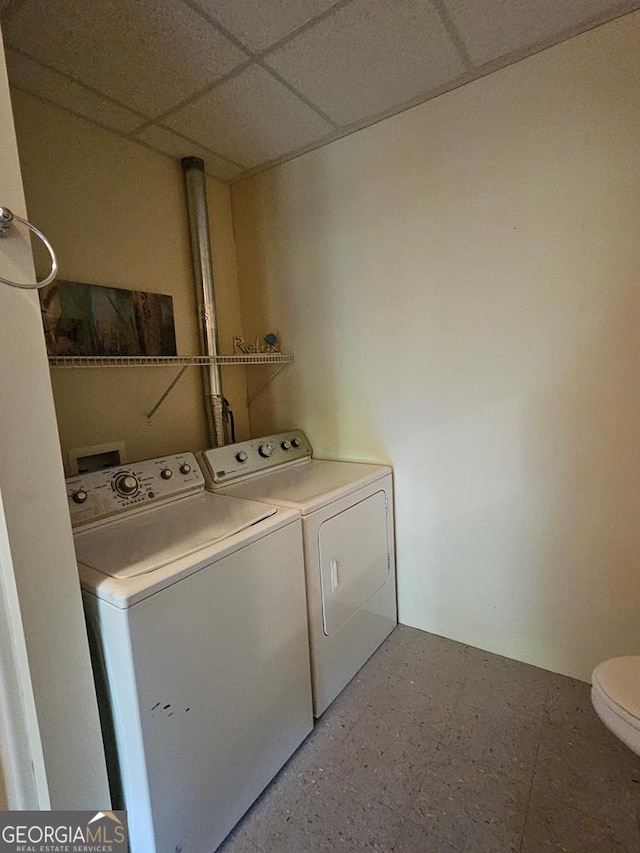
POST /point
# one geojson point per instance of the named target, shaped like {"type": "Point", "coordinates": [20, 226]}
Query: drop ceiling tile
{"type": "Point", "coordinates": [177, 146]}
{"type": "Point", "coordinates": [492, 30]}
{"type": "Point", "coordinates": [259, 25]}
{"type": "Point", "coordinates": [251, 119]}
{"type": "Point", "coordinates": [37, 80]}
{"type": "Point", "coordinates": [148, 54]}
{"type": "Point", "coordinates": [369, 57]}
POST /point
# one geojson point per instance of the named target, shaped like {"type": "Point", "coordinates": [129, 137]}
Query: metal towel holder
{"type": "Point", "coordinates": [6, 219]}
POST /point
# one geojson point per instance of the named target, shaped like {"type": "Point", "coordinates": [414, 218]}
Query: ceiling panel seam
{"type": "Point", "coordinates": [144, 118]}
{"type": "Point", "coordinates": [122, 134]}
{"type": "Point", "coordinates": [146, 145]}
{"type": "Point", "coordinates": [146, 122]}
{"type": "Point", "coordinates": [148, 117]}
{"type": "Point", "coordinates": [257, 58]}
{"type": "Point", "coordinates": [327, 13]}
{"type": "Point", "coordinates": [254, 58]}
{"type": "Point", "coordinates": [558, 37]}
{"type": "Point", "coordinates": [130, 136]}
{"type": "Point", "coordinates": [235, 72]}
{"type": "Point", "coordinates": [360, 124]}
{"type": "Point", "coordinates": [309, 103]}
{"type": "Point", "coordinates": [214, 22]}
{"type": "Point", "coordinates": [452, 32]}
{"type": "Point", "coordinates": [133, 136]}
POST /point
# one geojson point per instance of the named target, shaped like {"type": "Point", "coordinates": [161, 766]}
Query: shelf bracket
{"type": "Point", "coordinates": [265, 384]}
{"type": "Point", "coordinates": [166, 393]}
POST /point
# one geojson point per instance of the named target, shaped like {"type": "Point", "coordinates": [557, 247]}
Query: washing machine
{"type": "Point", "coordinates": [347, 524]}
{"type": "Point", "coordinates": [196, 613]}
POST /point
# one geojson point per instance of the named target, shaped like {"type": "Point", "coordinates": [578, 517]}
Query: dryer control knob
{"type": "Point", "coordinates": [286, 445]}
{"type": "Point", "coordinates": [166, 473]}
{"type": "Point", "coordinates": [126, 485]}
{"type": "Point", "coordinates": [185, 468]}
{"type": "Point", "coordinates": [265, 450]}
{"type": "Point", "coordinates": [295, 442]}
{"type": "Point", "coordinates": [80, 496]}
{"type": "Point", "coordinates": [242, 456]}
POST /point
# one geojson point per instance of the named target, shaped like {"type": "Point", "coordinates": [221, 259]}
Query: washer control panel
{"type": "Point", "coordinates": [125, 488]}
{"type": "Point", "coordinates": [233, 461]}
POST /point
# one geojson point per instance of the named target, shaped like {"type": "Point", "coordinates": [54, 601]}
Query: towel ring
{"type": "Point", "coordinates": [6, 218]}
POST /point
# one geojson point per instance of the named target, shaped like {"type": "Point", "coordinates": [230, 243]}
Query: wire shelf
{"type": "Point", "coordinates": [167, 361]}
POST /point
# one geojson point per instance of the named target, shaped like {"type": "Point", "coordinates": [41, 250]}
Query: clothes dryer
{"type": "Point", "coordinates": [196, 612]}
{"type": "Point", "coordinates": [347, 523]}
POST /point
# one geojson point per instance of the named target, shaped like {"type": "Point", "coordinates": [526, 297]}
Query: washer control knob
{"type": "Point", "coordinates": [166, 473]}
{"type": "Point", "coordinates": [265, 450]}
{"type": "Point", "coordinates": [242, 456]}
{"type": "Point", "coordinates": [126, 484]}
{"type": "Point", "coordinates": [80, 496]}
{"type": "Point", "coordinates": [185, 468]}
{"type": "Point", "coordinates": [286, 445]}
{"type": "Point", "coordinates": [295, 442]}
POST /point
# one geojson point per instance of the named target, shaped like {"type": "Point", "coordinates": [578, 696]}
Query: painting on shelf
{"type": "Point", "coordinates": [90, 320]}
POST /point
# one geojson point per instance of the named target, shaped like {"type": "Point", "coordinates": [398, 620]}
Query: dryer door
{"type": "Point", "coordinates": [354, 559]}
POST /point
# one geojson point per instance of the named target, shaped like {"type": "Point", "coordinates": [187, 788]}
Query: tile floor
{"type": "Point", "coordinates": [437, 747]}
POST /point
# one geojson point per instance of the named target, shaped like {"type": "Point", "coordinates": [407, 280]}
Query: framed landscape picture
{"type": "Point", "coordinates": [89, 319]}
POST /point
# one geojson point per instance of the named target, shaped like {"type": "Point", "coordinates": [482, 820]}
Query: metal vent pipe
{"type": "Point", "coordinates": [215, 404]}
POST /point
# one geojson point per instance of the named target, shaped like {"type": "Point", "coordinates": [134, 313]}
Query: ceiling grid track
{"type": "Point", "coordinates": [248, 87]}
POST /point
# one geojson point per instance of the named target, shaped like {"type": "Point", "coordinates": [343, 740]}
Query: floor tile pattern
{"type": "Point", "coordinates": [437, 747]}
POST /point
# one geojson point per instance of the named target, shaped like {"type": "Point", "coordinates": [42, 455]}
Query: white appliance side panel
{"type": "Point", "coordinates": [222, 666]}
{"type": "Point", "coordinates": [354, 559]}
{"type": "Point", "coordinates": [336, 659]}
{"type": "Point", "coordinates": [112, 655]}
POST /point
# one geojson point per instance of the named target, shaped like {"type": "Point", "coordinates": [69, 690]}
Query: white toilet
{"type": "Point", "coordinates": [615, 693]}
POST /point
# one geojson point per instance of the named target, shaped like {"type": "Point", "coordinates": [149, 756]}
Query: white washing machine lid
{"type": "Point", "coordinates": [307, 486]}
{"type": "Point", "coordinates": [143, 543]}
{"type": "Point", "coordinates": [618, 682]}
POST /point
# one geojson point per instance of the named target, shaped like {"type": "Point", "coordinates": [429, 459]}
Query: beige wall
{"type": "Point", "coordinates": [116, 214]}
{"type": "Point", "coordinates": [37, 524]}
{"type": "Point", "coordinates": [460, 285]}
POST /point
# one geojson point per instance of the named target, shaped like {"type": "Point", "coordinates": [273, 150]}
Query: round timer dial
{"type": "Point", "coordinates": [125, 485]}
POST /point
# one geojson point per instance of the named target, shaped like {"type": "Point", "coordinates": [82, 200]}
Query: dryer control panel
{"type": "Point", "coordinates": [222, 465]}
{"type": "Point", "coordinates": [126, 488]}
